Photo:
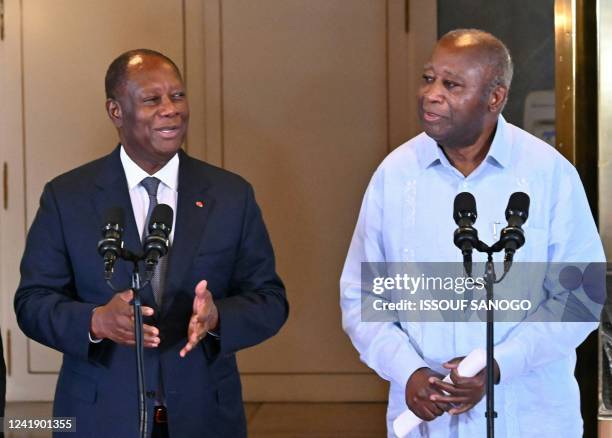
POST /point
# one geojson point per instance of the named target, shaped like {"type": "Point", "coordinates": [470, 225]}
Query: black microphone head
{"type": "Point", "coordinates": [161, 218]}
{"type": "Point", "coordinates": [110, 246]}
{"type": "Point", "coordinates": [464, 205]}
{"type": "Point", "coordinates": [156, 243]}
{"type": "Point", "coordinates": [518, 205]}
{"type": "Point", "coordinates": [114, 216]}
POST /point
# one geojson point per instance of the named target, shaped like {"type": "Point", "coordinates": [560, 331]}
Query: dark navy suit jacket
{"type": "Point", "coordinates": [220, 236]}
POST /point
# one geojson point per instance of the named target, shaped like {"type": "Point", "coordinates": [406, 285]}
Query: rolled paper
{"type": "Point", "coordinates": [471, 365]}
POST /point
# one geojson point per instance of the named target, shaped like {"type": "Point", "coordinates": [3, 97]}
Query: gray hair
{"type": "Point", "coordinates": [499, 57]}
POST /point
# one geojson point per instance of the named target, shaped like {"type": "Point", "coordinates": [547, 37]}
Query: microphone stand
{"type": "Point", "coordinates": [136, 287]}
{"type": "Point", "coordinates": [490, 412]}
{"type": "Point", "coordinates": [466, 239]}
{"type": "Point", "coordinates": [490, 280]}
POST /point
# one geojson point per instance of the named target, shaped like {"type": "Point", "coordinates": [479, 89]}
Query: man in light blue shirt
{"type": "Point", "coordinates": [407, 216]}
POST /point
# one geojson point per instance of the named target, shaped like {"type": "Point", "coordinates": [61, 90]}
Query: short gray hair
{"type": "Point", "coordinates": [497, 52]}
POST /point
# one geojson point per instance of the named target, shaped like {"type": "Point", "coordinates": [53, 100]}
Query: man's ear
{"type": "Point", "coordinates": [113, 109]}
{"type": "Point", "coordinates": [497, 98]}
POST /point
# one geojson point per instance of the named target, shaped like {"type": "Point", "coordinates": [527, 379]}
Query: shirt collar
{"type": "Point", "coordinates": [499, 152]}
{"type": "Point", "coordinates": [134, 174]}
{"type": "Point", "coordinates": [430, 153]}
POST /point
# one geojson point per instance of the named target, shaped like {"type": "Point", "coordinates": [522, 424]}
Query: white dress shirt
{"type": "Point", "coordinates": [407, 216]}
{"type": "Point", "coordinates": [167, 191]}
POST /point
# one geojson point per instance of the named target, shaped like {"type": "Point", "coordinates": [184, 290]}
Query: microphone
{"type": "Point", "coordinates": [466, 236]}
{"type": "Point", "coordinates": [111, 245]}
{"type": "Point", "coordinates": [156, 242]}
{"type": "Point", "coordinates": [512, 237]}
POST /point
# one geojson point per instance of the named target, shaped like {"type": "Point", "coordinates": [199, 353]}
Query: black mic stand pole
{"type": "Point", "coordinates": [489, 278]}
{"type": "Point", "coordinates": [136, 287]}
{"type": "Point", "coordinates": [137, 305]}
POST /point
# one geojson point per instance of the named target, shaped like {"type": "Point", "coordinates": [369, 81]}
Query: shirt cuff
{"type": "Point", "coordinates": [215, 333]}
{"type": "Point", "coordinates": [403, 366]}
{"type": "Point", "coordinates": [91, 338]}
{"type": "Point", "coordinates": [510, 358]}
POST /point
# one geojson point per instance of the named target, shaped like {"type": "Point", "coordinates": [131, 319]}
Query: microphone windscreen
{"type": "Point", "coordinates": [464, 203]}
{"type": "Point", "coordinates": [115, 216]}
{"type": "Point", "coordinates": [518, 204]}
{"type": "Point", "coordinates": [162, 214]}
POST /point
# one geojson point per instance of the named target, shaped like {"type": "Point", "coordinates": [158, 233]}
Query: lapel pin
{"type": "Point", "coordinates": [199, 204]}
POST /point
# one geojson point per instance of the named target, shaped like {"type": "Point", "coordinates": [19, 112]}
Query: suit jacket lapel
{"type": "Point", "coordinates": [194, 204]}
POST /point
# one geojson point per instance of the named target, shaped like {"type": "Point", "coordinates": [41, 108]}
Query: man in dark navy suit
{"type": "Point", "coordinates": [217, 293]}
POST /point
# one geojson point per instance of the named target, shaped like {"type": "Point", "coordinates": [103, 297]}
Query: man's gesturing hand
{"type": "Point", "coordinates": [204, 318]}
{"type": "Point", "coordinates": [418, 395]}
{"type": "Point", "coordinates": [115, 321]}
{"type": "Point", "coordinates": [465, 392]}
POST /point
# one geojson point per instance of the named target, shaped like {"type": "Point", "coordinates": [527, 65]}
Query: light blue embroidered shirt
{"type": "Point", "coordinates": [407, 215]}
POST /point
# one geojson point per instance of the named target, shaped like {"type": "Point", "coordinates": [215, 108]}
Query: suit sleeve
{"type": "Point", "coordinates": [256, 307]}
{"type": "Point", "coordinates": [46, 303]}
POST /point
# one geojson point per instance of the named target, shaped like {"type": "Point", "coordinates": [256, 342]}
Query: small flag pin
{"type": "Point", "coordinates": [199, 204]}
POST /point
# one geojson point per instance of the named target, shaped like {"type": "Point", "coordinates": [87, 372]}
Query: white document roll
{"type": "Point", "coordinates": [471, 365]}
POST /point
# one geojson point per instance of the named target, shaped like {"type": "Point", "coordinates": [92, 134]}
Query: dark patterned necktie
{"type": "Point", "coordinates": [151, 185]}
